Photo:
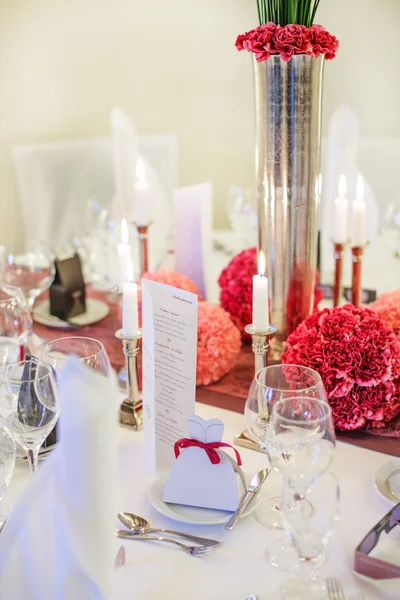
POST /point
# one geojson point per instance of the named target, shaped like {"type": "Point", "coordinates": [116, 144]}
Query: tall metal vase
{"type": "Point", "coordinates": [288, 141]}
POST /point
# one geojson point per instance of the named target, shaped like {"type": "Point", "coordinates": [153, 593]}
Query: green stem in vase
{"type": "Point", "coordinates": [286, 12]}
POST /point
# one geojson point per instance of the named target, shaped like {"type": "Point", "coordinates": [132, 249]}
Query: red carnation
{"type": "Point", "coordinates": [358, 358]}
{"type": "Point", "coordinates": [288, 40]}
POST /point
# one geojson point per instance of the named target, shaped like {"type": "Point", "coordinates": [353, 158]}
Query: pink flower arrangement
{"type": "Point", "coordinates": [358, 358]}
{"type": "Point", "coordinates": [387, 307]}
{"type": "Point", "coordinates": [218, 343]}
{"type": "Point", "coordinates": [236, 294]}
{"type": "Point", "coordinates": [268, 39]}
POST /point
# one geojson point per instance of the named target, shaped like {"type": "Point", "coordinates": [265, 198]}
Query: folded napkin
{"type": "Point", "coordinates": [192, 207]}
{"type": "Point", "coordinates": [57, 543]}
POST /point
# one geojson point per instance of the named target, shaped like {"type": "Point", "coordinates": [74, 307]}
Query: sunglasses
{"type": "Point", "coordinates": [374, 567]}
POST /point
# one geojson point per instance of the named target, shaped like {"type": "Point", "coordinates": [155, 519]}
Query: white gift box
{"type": "Point", "coordinates": [195, 481]}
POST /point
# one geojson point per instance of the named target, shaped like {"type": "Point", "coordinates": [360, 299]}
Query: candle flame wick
{"type": "Point", "coordinates": [261, 264]}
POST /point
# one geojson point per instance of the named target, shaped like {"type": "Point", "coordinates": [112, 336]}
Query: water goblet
{"type": "Point", "coordinates": [32, 272]}
{"type": "Point", "coordinates": [29, 405]}
{"type": "Point", "coordinates": [309, 536]}
{"type": "Point", "coordinates": [87, 350]}
{"type": "Point", "coordinates": [270, 385]}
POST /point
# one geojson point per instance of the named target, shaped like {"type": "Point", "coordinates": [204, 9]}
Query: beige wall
{"type": "Point", "coordinates": [173, 66]}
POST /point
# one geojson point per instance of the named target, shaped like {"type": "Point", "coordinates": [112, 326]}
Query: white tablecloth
{"type": "Point", "coordinates": [156, 571]}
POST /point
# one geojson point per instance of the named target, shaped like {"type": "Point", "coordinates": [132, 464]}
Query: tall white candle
{"type": "Point", "coordinates": [359, 206]}
{"type": "Point", "coordinates": [124, 251]}
{"type": "Point", "coordinates": [341, 213]}
{"type": "Point", "coordinates": [130, 321]}
{"type": "Point", "coordinates": [260, 298]}
{"type": "Point", "coordinates": [141, 195]}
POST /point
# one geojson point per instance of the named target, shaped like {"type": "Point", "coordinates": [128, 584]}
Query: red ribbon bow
{"type": "Point", "coordinates": [209, 447]}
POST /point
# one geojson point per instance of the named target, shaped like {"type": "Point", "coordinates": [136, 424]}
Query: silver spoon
{"type": "Point", "coordinates": [139, 525]}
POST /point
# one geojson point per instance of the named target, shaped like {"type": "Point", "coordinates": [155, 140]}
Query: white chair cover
{"type": "Point", "coordinates": [340, 156]}
{"type": "Point", "coordinates": [56, 180]}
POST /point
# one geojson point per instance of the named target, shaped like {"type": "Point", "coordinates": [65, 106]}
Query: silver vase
{"type": "Point", "coordinates": [288, 141]}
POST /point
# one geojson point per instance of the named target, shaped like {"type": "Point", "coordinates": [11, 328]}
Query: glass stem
{"type": "Point", "coordinates": [33, 457]}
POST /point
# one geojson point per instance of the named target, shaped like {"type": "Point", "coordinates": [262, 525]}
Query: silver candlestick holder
{"type": "Point", "coordinates": [130, 415]}
{"type": "Point", "coordinates": [260, 345]}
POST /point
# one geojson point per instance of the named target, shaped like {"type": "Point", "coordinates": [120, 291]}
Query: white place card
{"type": "Point", "coordinates": [169, 325]}
{"type": "Point", "coordinates": [193, 232]}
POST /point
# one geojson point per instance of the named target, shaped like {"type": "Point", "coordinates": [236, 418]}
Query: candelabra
{"type": "Point", "coordinates": [131, 407]}
{"type": "Point", "coordinates": [338, 284]}
{"type": "Point", "coordinates": [260, 345]}
{"type": "Point", "coordinates": [143, 247]}
{"type": "Point", "coordinates": [357, 257]}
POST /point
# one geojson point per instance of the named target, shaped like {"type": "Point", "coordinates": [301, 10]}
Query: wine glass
{"type": "Point", "coordinates": [270, 385]}
{"type": "Point", "coordinates": [29, 405]}
{"type": "Point", "coordinates": [15, 323]}
{"type": "Point", "coordinates": [242, 214]}
{"type": "Point", "coordinates": [86, 350]}
{"type": "Point", "coordinates": [32, 272]}
{"type": "Point", "coordinates": [310, 535]}
{"type": "Point", "coordinates": [301, 441]}
{"type": "Point", "coordinates": [7, 463]}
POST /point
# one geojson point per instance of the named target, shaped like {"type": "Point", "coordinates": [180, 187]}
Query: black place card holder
{"type": "Point", "coordinates": [67, 292]}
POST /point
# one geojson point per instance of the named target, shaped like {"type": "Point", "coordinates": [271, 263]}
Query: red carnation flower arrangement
{"type": "Point", "coordinates": [287, 28]}
{"type": "Point", "coordinates": [358, 358]}
{"type": "Point", "coordinates": [268, 39]}
{"type": "Point", "coordinates": [236, 294]}
{"type": "Point", "coordinates": [387, 307]}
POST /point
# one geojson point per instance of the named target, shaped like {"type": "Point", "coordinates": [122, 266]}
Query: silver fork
{"type": "Point", "coordinates": [193, 550]}
{"type": "Point", "coordinates": [335, 589]}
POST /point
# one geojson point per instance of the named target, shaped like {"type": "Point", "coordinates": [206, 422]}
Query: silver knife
{"type": "Point", "coordinates": [252, 490]}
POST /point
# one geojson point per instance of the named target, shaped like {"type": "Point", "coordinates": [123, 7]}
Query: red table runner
{"type": "Point", "coordinates": [229, 393]}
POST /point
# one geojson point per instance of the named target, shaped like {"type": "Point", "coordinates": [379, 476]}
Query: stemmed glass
{"type": "Point", "coordinates": [310, 535]}
{"type": "Point", "coordinates": [7, 463]}
{"type": "Point", "coordinates": [300, 443]}
{"type": "Point", "coordinates": [270, 385]}
{"type": "Point", "coordinates": [29, 405]}
{"type": "Point", "coordinates": [15, 323]}
{"type": "Point", "coordinates": [86, 350]}
{"type": "Point", "coordinates": [32, 272]}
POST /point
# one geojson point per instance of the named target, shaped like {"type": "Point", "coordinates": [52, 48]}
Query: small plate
{"type": "Point", "coordinates": [95, 311]}
{"type": "Point", "coordinates": [387, 481]}
{"type": "Point", "coordinates": [192, 514]}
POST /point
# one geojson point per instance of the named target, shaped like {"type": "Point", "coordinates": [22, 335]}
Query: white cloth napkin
{"type": "Point", "coordinates": [57, 543]}
{"type": "Point", "coordinates": [193, 207]}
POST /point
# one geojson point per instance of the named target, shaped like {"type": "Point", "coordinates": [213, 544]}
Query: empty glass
{"type": "Point", "coordinates": [242, 214]}
{"type": "Point", "coordinates": [270, 385]}
{"type": "Point", "coordinates": [7, 463]}
{"type": "Point", "coordinates": [310, 535]}
{"type": "Point", "coordinates": [301, 441]}
{"type": "Point", "coordinates": [29, 405]}
{"type": "Point", "coordinates": [32, 272]}
{"type": "Point", "coordinates": [86, 350]}
{"type": "Point", "coordinates": [15, 323]}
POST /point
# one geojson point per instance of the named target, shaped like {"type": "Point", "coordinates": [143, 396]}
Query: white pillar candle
{"type": "Point", "coordinates": [359, 206]}
{"type": "Point", "coordinates": [141, 195]}
{"type": "Point", "coordinates": [130, 321]}
{"type": "Point", "coordinates": [124, 251]}
{"type": "Point", "coordinates": [260, 298]}
{"type": "Point", "coordinates": [341, 213]}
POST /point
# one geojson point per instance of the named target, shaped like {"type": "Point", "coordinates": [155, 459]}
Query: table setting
{"type": "Point", "coordinates": [194, 413]}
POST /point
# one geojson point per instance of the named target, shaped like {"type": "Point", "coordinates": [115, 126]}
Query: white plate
{"type": "Point", "coordinates": [387, 481]}
{"type": "Point", "coordinates": [192, 514]}
{"type": "Point", "coordinates": [95, 311]}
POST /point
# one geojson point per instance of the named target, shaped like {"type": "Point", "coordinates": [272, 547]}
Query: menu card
{"type": "Point", "coordinates": [169, 327]}
{"type": "Point", "coordinates": [193, 232]}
